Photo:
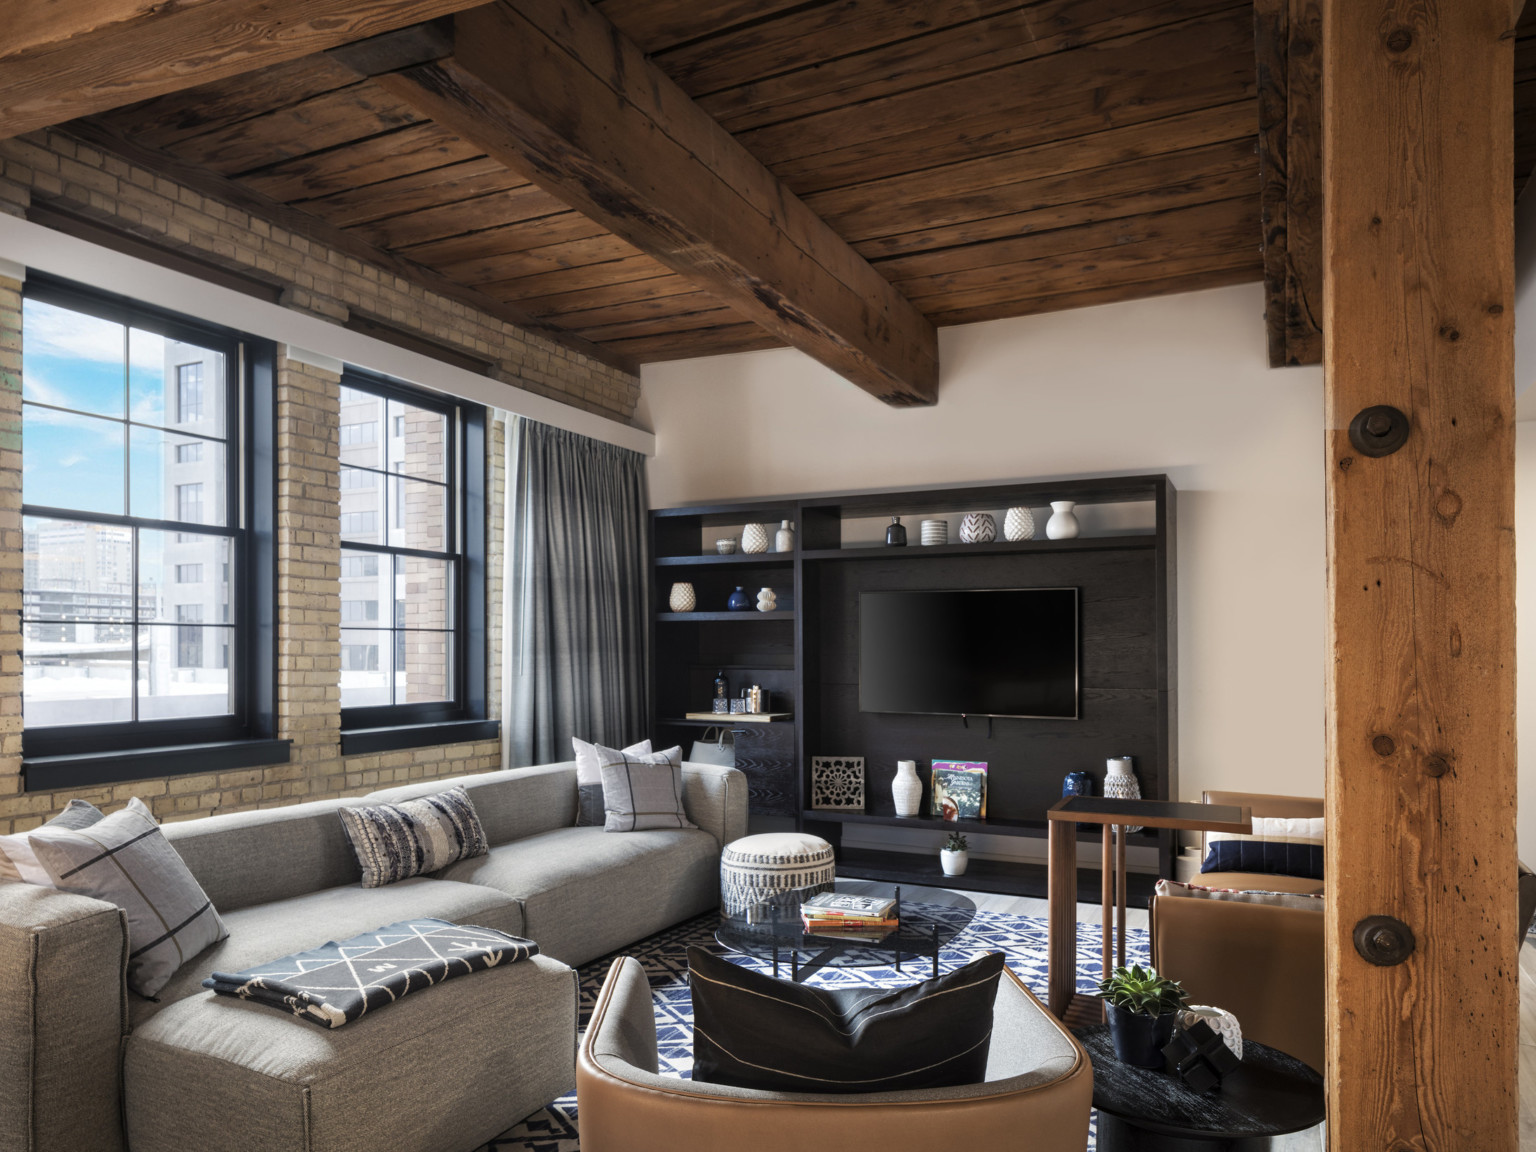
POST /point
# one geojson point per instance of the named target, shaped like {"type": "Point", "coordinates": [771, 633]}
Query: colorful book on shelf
{"type": "Point", "coordinates": [846, 905]}
{"type": "Point", "coordinates": [959, 789]}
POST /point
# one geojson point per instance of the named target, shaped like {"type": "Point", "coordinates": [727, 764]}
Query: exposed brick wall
{"type": "Point", "coordinates": [309, 652]}
{"type": "Point", "coordinates": [51, 167]}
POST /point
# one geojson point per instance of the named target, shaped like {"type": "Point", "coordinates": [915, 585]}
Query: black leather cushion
{"type": "Point", "coordinates": [1270, 857]}
{"type": "Point", "coordinates": [752, 1031]}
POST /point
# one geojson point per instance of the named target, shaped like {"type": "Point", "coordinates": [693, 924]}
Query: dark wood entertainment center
{"type": "Point", "coordinates": [806, 654]}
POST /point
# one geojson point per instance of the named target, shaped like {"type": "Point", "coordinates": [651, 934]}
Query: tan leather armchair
{"type": "Point", "coordinates": [1038, 1092]}
{"type": "Point", "coordinates": [1262, 964]}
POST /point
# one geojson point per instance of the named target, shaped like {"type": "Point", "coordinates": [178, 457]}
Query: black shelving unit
{"type": "Point", "coordinates": [805, 654]}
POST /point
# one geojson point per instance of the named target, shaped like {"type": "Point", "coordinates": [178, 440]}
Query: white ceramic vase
{"type": "Point", "coordinates": [1019, 524]}
{"type": "Point", "coordinates": [934, 531]}
{"type": "Point", "coordinates": [954, 862]}
{"type": "Point", "coordinates": [1120, 782]}
{"type": "Point", "coordinates": [978, 528]}
{"type": "Point", "coordinates": [907, 789]}
{"type": "Point", "coordinates": [767, 601]}
{"type": "Point", "coordinates": [784, 538]}
{"type": "Point", "coordinates": [1062, 525]}
{"type": "Point", "coordinates": [682, 598]}
{"type": "Point", "coordinates": [754, 538]}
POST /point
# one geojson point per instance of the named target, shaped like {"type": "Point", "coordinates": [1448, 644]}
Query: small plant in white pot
{"type": "Point", "coordinates": [955, 855]}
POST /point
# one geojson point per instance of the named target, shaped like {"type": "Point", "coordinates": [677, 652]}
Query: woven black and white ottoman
{"type": "Point", "coordinates": [757, 869]}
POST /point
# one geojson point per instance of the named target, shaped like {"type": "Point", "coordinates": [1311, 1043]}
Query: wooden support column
{"type": "Point", "coordinates": [1419, 295]}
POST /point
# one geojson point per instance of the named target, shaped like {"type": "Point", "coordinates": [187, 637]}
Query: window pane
{"type": "Point", "coordinates": [362, 506]}
{"type": "Point", "coordinates": [365, 589]}
{"type": "Point", "coordinates": [184, 670]}
{"type": "Point", "coordinates": [76, 571]}
{"type": "Point", "coordinates": [418, 513]}
{"type": "Point", "coordinates": [76, 674]}
{"type": "Point", "coordinates": [184, 576]}
{"type": "Point", "coordinates": [424, 662]}
{"type": "Point", "coordinates": [365, 668]}
{"type": "Point", "coordinates": [71, 461]}
{"type": "Point", "coordinates": [361, 417]}
{"type": "Point", "coordinates": [175, 384]}
{"type": "Point", "coordinates": [71, 359]}
{"type": "Point", "coordinates": [419, 442]}
{"type": "Point", "coordinates": [423, 593]}
{"type": "Point", "coordinates": [164, 487]}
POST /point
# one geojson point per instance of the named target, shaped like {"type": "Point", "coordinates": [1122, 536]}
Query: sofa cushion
{"type": "Point", "coordinates": [441, 1071]}
{"type": "Point", "coordinates": [1303, 901]}
{"type": "Point", "coordinates": [641, 792]}
{"type": "Point", "coordinates": [267, 931]}
{"type": "Point", "coordinates": [17, 860]}
{"type": "Point", "coordinates": [585, 893]}
{"type": "Point", "coordinates": [589, 779]}
{"type": "Point", "coordinates": [512, 804]}
{"type": "Point", "coordinates": [246, 858]}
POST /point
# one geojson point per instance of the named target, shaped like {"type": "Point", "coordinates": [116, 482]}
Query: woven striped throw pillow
{"type": "Point", "coordinates": [397, 841]}
{"type": "Point", "coordinates": [1279, 846]}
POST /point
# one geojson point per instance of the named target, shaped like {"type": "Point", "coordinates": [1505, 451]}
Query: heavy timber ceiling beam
{"type": "Point", "coordinates": [552, 90]}
{"type": "Point", "coordinates": [1288, 47]}
{"type": "Point", "coordinates": [72, 58]}
{"type": "Point", "coordinates": [1422, 1051]}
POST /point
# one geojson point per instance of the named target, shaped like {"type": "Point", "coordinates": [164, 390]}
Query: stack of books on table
{"type": "Point", "coordinates": [849, 917]}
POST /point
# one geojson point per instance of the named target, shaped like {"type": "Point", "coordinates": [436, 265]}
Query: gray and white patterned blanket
{"type": "Point", "coordinates": [336, 983]}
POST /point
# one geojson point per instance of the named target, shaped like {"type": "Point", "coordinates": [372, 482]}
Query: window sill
{"type": "Point", "coordinates": [363, 740]}
{"type": "Point", "coordinates": [84, 770]}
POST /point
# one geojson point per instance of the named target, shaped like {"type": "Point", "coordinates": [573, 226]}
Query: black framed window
{"type": "Point", "coordinates": [412, 556]}
{"type": "Point", "coordinates": [144, 618]}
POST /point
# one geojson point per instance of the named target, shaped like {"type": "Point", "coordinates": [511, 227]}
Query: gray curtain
{"type": "Point", "coordinates": [576, 594]}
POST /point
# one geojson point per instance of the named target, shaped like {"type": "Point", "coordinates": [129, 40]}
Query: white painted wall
{"type": "Point", "coordinates": [1178, 384]}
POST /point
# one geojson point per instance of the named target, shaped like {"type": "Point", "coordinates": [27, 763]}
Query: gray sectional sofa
{"type": "Point", "coordinates": [84, 1064]}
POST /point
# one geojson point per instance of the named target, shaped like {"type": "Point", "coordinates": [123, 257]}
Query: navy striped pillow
{"type": "Point", "coordinates": [1276, 858]}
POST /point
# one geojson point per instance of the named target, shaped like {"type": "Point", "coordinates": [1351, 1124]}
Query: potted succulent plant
{"type": "Point", "coordinates": [1142, 1007]}
{"type": "Point", "coordinates": [955, 855]}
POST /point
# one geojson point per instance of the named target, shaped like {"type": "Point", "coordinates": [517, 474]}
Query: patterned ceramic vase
{"type": "Point", "coordinates": [1120, 782]}
{"type": "Point", "coordinates": [784, 538]}
{"type": "Point", "coordinates": [739, 601]}
{"type": "Point", "coordinates": [935, 531]}
{"type": "Point", "coordinates": [766, 600]}
{"type": "Point", "coordinates": [1222, 1022]}
{"type": "Point", "coordinates": [907, 789]}
{"type": "Point", "coordinates": [1062, 525]}
{"type": "Point", "coordinates": [682, 598]}
{"type": "Point", "coordinates": [1019, 524]}
{"type": "Point", "coordinates": [754, 538]}
{"type": "Point", "coordinates": [978, 528]}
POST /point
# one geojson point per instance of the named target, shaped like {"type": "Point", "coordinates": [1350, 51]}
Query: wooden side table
{"type": "Point", "coordinates": [1115, 815]}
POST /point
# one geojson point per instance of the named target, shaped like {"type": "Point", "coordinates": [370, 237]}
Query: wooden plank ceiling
{"type": "Point", "coordinates": [990, 158]}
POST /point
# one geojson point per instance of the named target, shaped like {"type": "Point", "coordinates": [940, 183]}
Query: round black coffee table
{"type": "Point", "coordinates": [1141, 1110]}
{"type": "Point", "coordinates": [930, 919]}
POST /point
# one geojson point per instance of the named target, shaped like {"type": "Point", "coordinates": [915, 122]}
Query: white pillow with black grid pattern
{"type": "Point", "coordinates": [125, 860]}
{"type": "Point", "coordinates": [641, 792]}
{"type": "Point", "coordinates": [589, 780]}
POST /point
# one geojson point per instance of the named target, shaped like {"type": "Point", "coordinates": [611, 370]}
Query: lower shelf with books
{"type": "Point", "coordinates": [1007, 877]}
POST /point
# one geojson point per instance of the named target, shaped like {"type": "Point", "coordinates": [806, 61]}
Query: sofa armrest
{"type": "Point", "coordinates": [63, 1015]}
{"type": "Point", "coordinates": [1261, 963]}
{"type": "Point", "coordinates": [715, 799]}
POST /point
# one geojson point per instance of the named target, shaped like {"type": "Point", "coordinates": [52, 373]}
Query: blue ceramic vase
{"type": "Point", "coordinates": [1077, 784]}
{"type": "Point", "coordinates": [739, 601]}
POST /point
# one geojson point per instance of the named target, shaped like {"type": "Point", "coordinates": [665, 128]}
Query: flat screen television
{"type": "Point", "coordinates": [981, 652]}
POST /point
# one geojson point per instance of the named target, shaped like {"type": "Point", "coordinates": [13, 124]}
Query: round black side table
{"type": "Point", "coordinates": [1141, 1110]}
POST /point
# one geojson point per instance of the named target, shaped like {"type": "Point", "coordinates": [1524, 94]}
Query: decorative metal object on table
{"type": "Point", "coordinates": [837, 783]}
{"type": "Point", "coordinates": [1199, 1057]}
{"type": "Point", "coordinates": [1114, 815]}
{"type": "Point", "coordinates": [1269, 1095]}
{"type": "Point", "coordinates": [772, 930]}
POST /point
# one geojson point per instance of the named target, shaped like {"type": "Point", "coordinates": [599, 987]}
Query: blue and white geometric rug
{"type": "Point", "coordinates": [665, 957]}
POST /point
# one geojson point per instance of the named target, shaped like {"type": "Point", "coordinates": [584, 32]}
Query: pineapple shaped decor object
{"type": "Point", "coordinates": [754, 538]}
{"type": "Point", "coordinates": [1019, 524]}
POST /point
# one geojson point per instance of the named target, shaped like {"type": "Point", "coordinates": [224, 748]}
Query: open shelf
{"type": "Point", "coordinates": [996, 547]}
{"type": "Point", "coordinates": [760, 559]}
{"type": "Point", "coordinates": [724, 720]}
{"type": "Point", "coordinates": [992, 826]}
{"type": "Point", "coordinates": [716, 617]}
{"type": "Point", "coordinates": [1005, 877]}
